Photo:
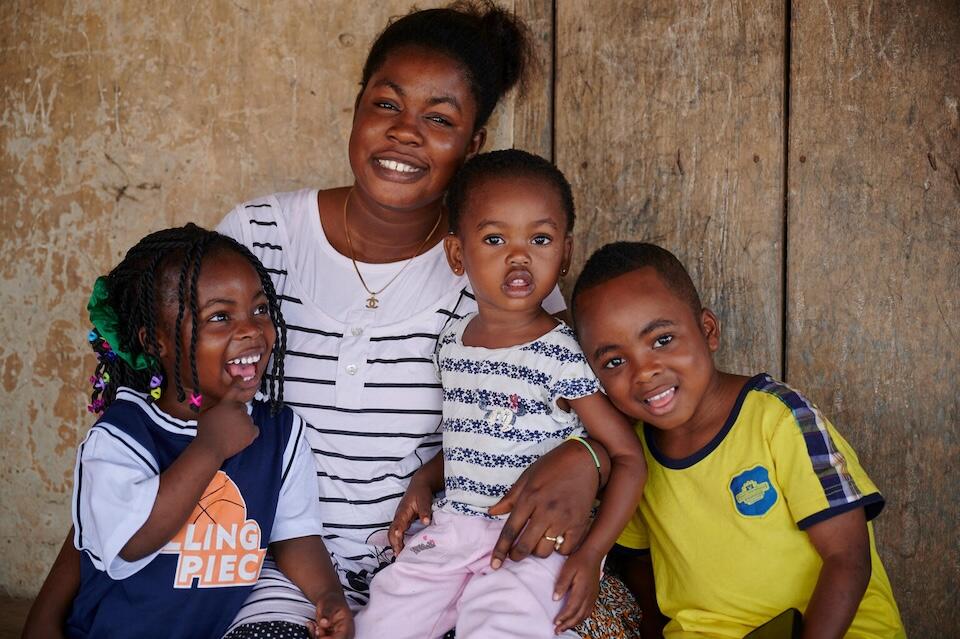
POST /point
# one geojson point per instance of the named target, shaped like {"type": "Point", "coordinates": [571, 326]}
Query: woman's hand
{"type": "Point", "coordinates": [579, 580]}
{"type": "Point", "coordinates": [334, 618]}
{"type": "Point", "coordinates": [416, 504]}
{"type": "Point", "coordinates": [554, 496]}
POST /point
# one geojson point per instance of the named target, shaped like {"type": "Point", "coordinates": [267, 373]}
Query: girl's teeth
{"type": "Point", "coordinates": [247, 379]}
{"type": "Point", "coordinates": [660, 396]}
{"type": "Point", "coordinates": [393, 165]}
{"type": "Point", "coordinates": [249, 359]}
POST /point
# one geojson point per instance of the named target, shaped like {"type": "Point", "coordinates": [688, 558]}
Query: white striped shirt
{"type": "Point", "coordinates": [363, 379]}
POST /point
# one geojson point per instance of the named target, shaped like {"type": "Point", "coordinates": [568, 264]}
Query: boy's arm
{"type": "Point", "coordinates": [636, 570]}
{"type": "Point", "coordinates": [844, 546]}
{"type": "Point", "coordinates": [50, 609]}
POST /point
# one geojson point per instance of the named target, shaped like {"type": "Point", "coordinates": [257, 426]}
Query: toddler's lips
{"type": "Point", "coordinates": [518, 283]}
{"type": "Point", "coordinates": [244, 367]}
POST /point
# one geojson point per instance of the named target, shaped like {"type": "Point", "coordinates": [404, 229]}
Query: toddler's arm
{"type": "Point", "coordinates": [417, 500]}
{"type": "Point", "coordinates": [628, 474]}
{"type": "Point", "coordinates": [844, 546]}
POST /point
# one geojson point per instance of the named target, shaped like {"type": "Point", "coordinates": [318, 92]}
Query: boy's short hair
{"type": "Point", "coordinates": [507, 163]}
{"type": "Point", "coordinates": [619, 258]}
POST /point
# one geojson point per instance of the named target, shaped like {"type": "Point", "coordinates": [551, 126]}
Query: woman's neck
{"type": "Point", "coordinates": [377, 234]}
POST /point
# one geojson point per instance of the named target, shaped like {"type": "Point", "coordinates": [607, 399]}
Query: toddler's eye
{"type": "Point", "coordinates": [662, 341]}
{"type": "Point", "coordinates": [541, 240]}
{"type": "Point", "coordinates": [614, 362]}
{"type": "Point", "coordinates": [493, 240]}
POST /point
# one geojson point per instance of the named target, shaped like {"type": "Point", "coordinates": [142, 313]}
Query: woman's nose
{"type": "Point", "coordinates": [405, 129]}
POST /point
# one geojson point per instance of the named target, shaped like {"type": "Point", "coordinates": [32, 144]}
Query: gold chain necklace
{"type": "Point", "coordinates": [372, 301]}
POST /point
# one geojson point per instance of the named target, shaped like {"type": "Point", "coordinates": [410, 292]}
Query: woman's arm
{"type": "Point", "coordinates": [555, 493]}
{"type": "Point", "coordinates": [50, 609]}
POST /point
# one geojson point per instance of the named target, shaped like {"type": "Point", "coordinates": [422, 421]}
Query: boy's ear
{"type": "Point", "coordinates": [454, 250]}
{"type": "Point", "coordinates": [710, 325]}
{"type": "Point", "coordinates": [476, 142]}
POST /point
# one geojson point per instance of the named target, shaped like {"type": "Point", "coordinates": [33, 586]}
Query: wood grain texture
{"type": "Point", "coordinates": [669, 127]}
{"type": "Point", "coordinates": [533, 114]}
{"type": "Point", "coordinates": [874, 269]}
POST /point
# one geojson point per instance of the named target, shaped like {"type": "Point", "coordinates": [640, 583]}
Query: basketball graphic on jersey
{"type": "Point", "coordinates": [218, 546]}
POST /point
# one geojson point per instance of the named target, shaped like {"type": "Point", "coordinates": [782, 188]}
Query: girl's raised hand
{"type": "Point", "coordinates": [334, 618]}
{"type": "Point", "coordinates": [226, 428]}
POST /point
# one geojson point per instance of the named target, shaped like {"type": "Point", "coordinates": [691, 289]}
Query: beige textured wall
{"type": "Point", "coordinates": [120, 118]}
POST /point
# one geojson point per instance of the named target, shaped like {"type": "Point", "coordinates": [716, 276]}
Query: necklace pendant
{"type": "Point", "coordinates": [372, 301]}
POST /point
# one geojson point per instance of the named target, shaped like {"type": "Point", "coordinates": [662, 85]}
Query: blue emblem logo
{"type": "Point", "coordinates": [753, 492]}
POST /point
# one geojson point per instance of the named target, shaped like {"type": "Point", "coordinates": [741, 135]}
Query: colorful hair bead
{"type": "Point", "coordinates": [92, 336]}
{"type": "Point", "coordinates": [106, 378]}
{"type": "Point", "coordinates": [195, 401]}
{"type": "Point", "coordinates": [155, 381]}
{"type": "Point", "coordinates": [155, 393]}
{"type": "Point", "coordinates": [106, 345]}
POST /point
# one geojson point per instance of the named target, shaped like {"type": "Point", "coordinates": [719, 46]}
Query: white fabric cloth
{"type": "Point", "coordinates": [500, 411]}
{"type": "Point", "coordinates": [363, 379]}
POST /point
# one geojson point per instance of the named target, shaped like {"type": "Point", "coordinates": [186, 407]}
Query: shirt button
{"type": "Point", "coordinates": [352, 369]}
{"type": "Point", "coordinates": [356, 331]}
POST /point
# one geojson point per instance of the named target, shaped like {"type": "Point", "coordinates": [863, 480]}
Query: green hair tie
{"type": "Point", "coordinates": [104, 319]}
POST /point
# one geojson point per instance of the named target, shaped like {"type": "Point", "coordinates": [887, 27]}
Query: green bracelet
{"type": "Point", "coordinates": [596, 460]}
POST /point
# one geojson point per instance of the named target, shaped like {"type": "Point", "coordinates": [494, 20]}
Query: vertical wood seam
{"type": "Point", "coordinates": [552, 107]}
{"type": "Point", "coordinates": [784, 251]}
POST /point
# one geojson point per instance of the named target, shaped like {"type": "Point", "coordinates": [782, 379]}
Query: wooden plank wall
{"type": "Point", "coordinates": [670, 120]}
{"type": "Point", "coordinates": [873, 268]}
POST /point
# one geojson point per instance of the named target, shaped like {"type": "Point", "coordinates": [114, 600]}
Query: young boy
{"type": "Point", "coordinates": [754, 503]}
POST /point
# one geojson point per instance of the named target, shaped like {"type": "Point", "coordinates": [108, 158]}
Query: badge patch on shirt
{"type": "Point", "coordinates": [753, 492]}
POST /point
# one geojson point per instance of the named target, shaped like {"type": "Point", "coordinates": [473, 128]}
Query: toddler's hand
{"type": "Point", "coordinates": [334, 618]}
{"type": "Point", "coordinates": [226, 428]}
{"type": "Point", "coordinates": [579, 579]}
{"type": "Point", "coordinates": [416, 504]}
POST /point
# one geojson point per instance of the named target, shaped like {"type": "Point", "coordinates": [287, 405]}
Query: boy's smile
{"type": "Point", "coordinates": [652, 354]}
{"type": "Point", "coordinates": [235, 334]}
{"type": "Point", "coordinates": [512, 242]}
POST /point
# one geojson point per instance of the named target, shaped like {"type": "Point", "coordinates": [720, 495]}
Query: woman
{"type": "Point", "coordinates": [366, 290]}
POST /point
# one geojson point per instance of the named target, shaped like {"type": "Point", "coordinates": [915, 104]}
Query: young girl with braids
{"type": "Point", "coordinates": [186, 478]}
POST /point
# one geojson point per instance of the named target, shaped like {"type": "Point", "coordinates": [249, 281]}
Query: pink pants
{"type": "Point", "coordinates": [442, 579]}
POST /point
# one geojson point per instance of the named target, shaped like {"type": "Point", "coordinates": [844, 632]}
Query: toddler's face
{"type": "Point", "coordinates": [512, 242]}
{"type": "Point", "coordinates": [650, 352]}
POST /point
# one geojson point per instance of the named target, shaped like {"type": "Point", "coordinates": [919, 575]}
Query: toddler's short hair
{"type": "Point", "coordinates": [505, 163]}
{"type": "Point", "coordinates": [620, 258]}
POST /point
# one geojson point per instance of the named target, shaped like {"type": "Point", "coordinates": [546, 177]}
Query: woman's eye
{"type": "Point", "coordinates": [493, 240]}
{"type": "Point", "coordinates": [439, 120]}
{"type": "Point", "coordinates": [541, 240]}
{"type": "Point", "coordinates": [614, 362]}
{"type": "Point", "coordinates": [662, 341]}
{"type": "Point", "coordinates": [386, 105]}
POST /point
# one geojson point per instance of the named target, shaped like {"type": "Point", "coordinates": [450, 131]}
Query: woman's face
{"type": "Point", "coordinates": [413, 129]}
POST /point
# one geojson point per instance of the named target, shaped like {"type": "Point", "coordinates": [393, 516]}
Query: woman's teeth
{"type": "Point", "coordinates": [400, 167]}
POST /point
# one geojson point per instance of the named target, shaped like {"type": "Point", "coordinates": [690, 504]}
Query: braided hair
{"type": "Point", "coordinates": [136, 298]}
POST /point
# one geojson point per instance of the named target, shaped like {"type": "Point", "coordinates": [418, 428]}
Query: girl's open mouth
{"type": "Point", "coordinates": [518, 283]}
{"type": "Point", "coordinates": [244, 367]}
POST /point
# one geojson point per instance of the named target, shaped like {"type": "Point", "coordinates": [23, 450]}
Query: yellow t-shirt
{"type": "Point", "coordinates": [725, 526]}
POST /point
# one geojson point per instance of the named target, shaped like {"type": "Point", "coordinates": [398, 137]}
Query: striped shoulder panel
{"type": "Point", "coordinates": [268, 241]}
{"type": "Point", "coordinates": [829, 464]}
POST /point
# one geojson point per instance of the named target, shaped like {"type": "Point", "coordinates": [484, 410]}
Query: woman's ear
{"type": "Point", "coordinates": [476, 143]}
{"type": "Point", "coordinates": [454, 250]}
{"type": "Point", "coordinates": [710, 326]}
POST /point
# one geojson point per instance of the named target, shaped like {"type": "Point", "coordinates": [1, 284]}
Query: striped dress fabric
{"type": "Point", "coordinates": [363, 379]}
{"type": "Point", "coordinates": [500, 411]}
